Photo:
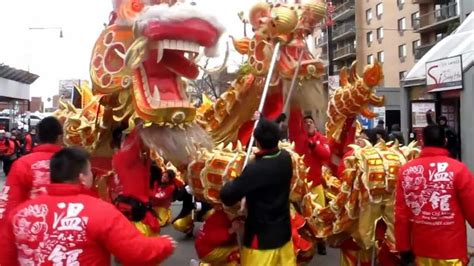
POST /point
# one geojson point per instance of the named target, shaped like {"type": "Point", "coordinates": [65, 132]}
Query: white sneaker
{"type": "Point", "coordinates": [194, 262]}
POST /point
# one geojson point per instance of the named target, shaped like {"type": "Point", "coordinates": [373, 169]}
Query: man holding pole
{"type": "Point", "coordinates": [265, 183]}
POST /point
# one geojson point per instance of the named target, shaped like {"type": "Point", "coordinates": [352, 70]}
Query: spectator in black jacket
{"type": "Point", "coordinates": [265, 183]}
{"type": "Point", "coordinates": [452, 144]}
{"type": "Point", "coordinates": [396, 134]}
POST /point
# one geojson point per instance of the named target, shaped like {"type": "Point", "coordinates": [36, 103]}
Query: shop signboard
{"type": "Point", "coordinates": [444, 74]}
{"type": "Point", "coordinates": [418, 113]}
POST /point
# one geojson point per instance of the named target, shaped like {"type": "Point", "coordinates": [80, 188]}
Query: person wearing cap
{"type": "Point", "coordinates": [265, 184]}
{"type": "Point", "coordinates": [30, 174]}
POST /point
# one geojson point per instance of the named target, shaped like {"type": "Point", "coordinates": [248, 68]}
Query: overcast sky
{"type": "Point", "coordinates": [54, 58]}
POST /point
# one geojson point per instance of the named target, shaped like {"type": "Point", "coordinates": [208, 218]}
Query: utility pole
{"type": "Point", "coordinates": [329, 23]}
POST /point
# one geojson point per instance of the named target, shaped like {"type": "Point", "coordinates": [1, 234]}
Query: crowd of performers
{"type": "Point", "coordinates": [50, 213]}
{"type": "Point", "coordinates": [14, 144]}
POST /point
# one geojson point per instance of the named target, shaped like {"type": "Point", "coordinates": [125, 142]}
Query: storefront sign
{"type": "Point", "coordinates": [418, 113]}
{"type": "Point", "coordinates": [380, 111]}
{"type": "Point", "coordinates": [444, 74]}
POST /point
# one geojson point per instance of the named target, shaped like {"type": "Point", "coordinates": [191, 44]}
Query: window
{"type": "Point", "coordinates": [400, 2]}
{"type": "Point", "coordinates": [379, 9]}
{"type": "Point", "coordinates": [415, 20]}
{"type": "Point", "coordinates": [402, 24]}
{"type": "Point", "coordinates": [380, 56]}
{"type": "Point", "coordinates": [368, 15]}
{"type": "Point", "coordinates": [370, 59]}
{"type": "Point", "coordinates": [415, 45]}
{"type": "Point", "coordinates": [369, 37]}
{"type": "Point", "coordinates": [401, 75]}
{"type": "Point", "coordinates": [380, 33]}
{"type": "Point", "coordinates": [439, 36]}
{"type": "Point", "coordinates": [402, 50]}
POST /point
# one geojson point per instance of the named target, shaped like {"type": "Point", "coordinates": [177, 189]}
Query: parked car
{"type": "Point", "coordinates": [34, 119]}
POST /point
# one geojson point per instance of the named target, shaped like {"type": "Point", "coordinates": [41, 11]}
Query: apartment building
{"type": "Point", "coordinates": [436, 19]}
{"type": "Point", "coordinates": [343, 35]}
{"type": "Point", "coordinates": [385, 32]}
{"type": "Point", "coordinates": [376, 29]}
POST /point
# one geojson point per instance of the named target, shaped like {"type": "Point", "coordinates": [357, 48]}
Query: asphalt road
{"type": "Point", "coordinates": [185, 250]}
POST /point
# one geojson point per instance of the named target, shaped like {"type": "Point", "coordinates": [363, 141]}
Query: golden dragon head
{"type": "Point", "coordinates": [354, 97]}
{"type": "Point", "coordinates": [288, 24]}
{"type": "Point", "coordinates": [143, 54]}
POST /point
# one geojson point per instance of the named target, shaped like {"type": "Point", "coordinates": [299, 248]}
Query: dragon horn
{"type": "Point", "coordinates": [353, 76]}
{"type": "Point", "coordinates": [343, 77]}
{"type": "Point", "coordinates": [221, 67]}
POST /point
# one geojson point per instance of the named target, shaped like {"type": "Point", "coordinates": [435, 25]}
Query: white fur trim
{"type": "Point", "coordinates": [180, 12]}
{"type": "Point", "coordinates": [177, 12]}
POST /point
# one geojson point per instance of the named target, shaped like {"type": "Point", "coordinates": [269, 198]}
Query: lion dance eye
{"type": "Point", "coordinates": [136, 5]}
{"type": "Point", "coordinates": [130, 9]}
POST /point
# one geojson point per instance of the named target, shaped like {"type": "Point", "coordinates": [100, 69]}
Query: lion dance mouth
{"type": "Point", "coordinates": [170, 39]}
{"type": "Point", "coordinates": [140, 61]}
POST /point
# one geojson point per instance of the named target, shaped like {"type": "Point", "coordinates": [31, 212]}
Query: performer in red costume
{"type": "Point", "coordinates": [315, 148]}
{"type": "Point", "coordinates": [216, 242]}
{"type": "Point", "coordinates": [30, 173]}
{"type": "Point", "coordinates": [133, 172]}
{"type": "Point", "coordinates": [69, 227]}
{"type": "Point", "coordinates": [434, 199]}
{"type": "Point", "coordinates": [162, 190]}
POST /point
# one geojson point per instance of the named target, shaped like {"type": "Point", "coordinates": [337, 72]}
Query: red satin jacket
{"type": "Point", "coordinates": [27, 178]}
{"type": "Point", "coordinates": [67, 227]}
{"type": "Point", "coordinates": [162, 195]}
{"type": "Point", "coordinates": [314, 156]}
{"type": "Point", "coordinates": [214, 233]}
{"type": "Point", "coordinates": [434, 198]}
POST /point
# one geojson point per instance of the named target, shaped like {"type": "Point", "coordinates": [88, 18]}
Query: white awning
{"type": "Point", "coordinates": [460, 42]}
{"type": "Point", "coordinates": [14, 89]}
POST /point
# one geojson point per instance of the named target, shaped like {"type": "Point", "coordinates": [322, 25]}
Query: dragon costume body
{"type": "Point", "coordinates": [138, 67]}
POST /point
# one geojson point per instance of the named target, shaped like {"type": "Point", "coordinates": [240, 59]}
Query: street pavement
{"type": "Point", "coordinates": [185, 250]}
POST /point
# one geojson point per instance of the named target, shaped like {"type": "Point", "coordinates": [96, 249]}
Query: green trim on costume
{"type": "Point", "coordinates": [272, 156]}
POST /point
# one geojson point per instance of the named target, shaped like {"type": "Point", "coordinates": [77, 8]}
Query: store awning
{"type": "Point", "coordinates": [460, 42]}
{"type": "Point", "coordinates": [15, 83]}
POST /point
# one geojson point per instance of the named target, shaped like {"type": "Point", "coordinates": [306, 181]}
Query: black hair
{"type": "Point", "coordinates": [434, 136]}
{"type": "Point", "coordinates": [49, 130]}
{"type": "Point", "coordinates": [171, 174]}
{"type": "Point", "coordinates": [382, 132]}
{"type": "Point", "coordinates": [155, 175]}
{"type": "Point", "coordinates": [380, 122]}
{"type": "Point", "coordinates": [443, 118]}
{"type": "Point", "coordinates": [308, 117]}
{"type": "Point", "coordinates": [67, 164]}
{"type": "Point", "coordinates": [371, 135]}
{"type": "Point", "coordinates": [267, 134]}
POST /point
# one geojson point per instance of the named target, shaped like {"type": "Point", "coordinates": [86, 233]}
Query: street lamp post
{"type": "Point", "coordinates": [49, 28]}
{"type": "Point", "coordinates": [329, 24]}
